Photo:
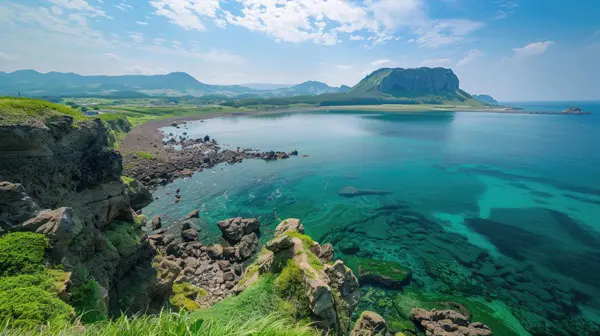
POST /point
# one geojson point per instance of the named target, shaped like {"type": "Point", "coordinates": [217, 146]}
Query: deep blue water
{"type": "Point", "coordinates": [501, 210]}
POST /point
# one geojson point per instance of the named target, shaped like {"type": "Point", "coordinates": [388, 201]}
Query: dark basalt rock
{"type": "Point", "coordinates": [234, 229]}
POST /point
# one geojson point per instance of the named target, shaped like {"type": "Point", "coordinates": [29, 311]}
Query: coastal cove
{"type": "Point", "coordinates": [495, 211]}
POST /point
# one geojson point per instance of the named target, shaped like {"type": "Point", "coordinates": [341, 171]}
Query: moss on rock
{"type": "Point", "coordinates": [185, 296]}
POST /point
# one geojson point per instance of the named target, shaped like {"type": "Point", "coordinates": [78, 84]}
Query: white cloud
{"type": "Point", "coordinates": [440, 33]}
{"type": "Point", "coordinates": [436, 62]}
{"type": "Point", "coordinates": [56, 10]}
{"type": "Point", "coordinates": [532, 49]}
{"type": "Point", "coordinates": [186, 13]}
{"type": "Point", "coordinates": [158, 41]}
{"type": "Point", "coordinates": [142, 23]}
{"type": "Point", "coordinates": [123, 6]}
{"type": "Point", "coordinates": [471, 56]}
{"type": "Point", "coordinates": [78, 5]}
{"type": "Point", "coordinates": [383, 63]}
{"type": "Point", "coordinates": [356, 38]}
{"type": "Point", "coordinates": [140, 70]}
{"type": "Point", "coordinates": [506, 7]}
{"type": "Point", "coordinates": [136, 37]}
{"type": "Point", "coordinates": [344, 67]}
{"type": "Point", "coordinates": [113, 56]}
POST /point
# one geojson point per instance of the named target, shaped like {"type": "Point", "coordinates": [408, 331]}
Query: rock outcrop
{"type": "Point", "coordinates": [370, 324]}
{"type": "Point", "coordinates": [330, 292]}
{"type": "Point", "coordinates": [214, 269]}
{"type": "Point", "coordinates": [448, 323]}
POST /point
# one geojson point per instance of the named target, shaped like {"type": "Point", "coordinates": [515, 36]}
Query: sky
{"type": "Point", "coordinates": [511, 49]}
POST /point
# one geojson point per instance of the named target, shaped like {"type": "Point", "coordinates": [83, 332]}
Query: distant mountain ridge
{"type": "Point", "coordinates": [34, 83]}
{"type": "Point", "coordinates": [486, 99]}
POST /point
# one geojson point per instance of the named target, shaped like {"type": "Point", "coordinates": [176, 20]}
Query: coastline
{"type": "Point", "coordinates": [144, 137]}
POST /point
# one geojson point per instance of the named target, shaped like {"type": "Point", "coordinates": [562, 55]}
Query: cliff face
{"type": "Point", "coordinates": [409, 82]}
{"type": "Point", "coordinates": [60, 178]}
{"type": "Point", "coordinates": [61, 163]}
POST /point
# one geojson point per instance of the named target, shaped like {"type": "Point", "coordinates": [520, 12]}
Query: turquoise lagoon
{"type": "Point", "coordinates": [499, 213]}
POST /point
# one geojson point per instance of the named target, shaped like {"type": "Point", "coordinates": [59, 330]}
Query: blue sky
{"type": "Point", "coordinates": [511, 49]}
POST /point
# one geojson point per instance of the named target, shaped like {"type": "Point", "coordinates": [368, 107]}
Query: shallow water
{"type": "Point", "coordinates": [503, 210]}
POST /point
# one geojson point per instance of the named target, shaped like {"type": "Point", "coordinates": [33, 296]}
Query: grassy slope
{"type": "Point", "coordinates": [26, 111]}
{"type": "Point", "coordinates": [257, 311]}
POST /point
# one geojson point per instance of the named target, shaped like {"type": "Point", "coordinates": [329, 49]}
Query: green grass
{"type": "Point", "coordinates": [28, 111]}
{"type": "Point", "coordinates": [307, 243]}
{"type": "Point", "coordinates": [144, 155]}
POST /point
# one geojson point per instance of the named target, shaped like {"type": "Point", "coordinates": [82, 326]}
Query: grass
{"type": "Point", "coordinates": [144, 155]}
{"type": "Point", "coordinates": [28, 111]}
{"type": "Point", "coordinates": [307, 243]}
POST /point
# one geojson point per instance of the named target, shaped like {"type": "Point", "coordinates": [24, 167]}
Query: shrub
{"type": "Point", "coordinates": [124, 236]}
{"type": "Point", "coordinates": [39, 280]}
{"type": "Point", "coordinates": [32, 306]}
{"type": "Point", "coordinates": [22, 252]}
{"type": "Point", "coordinates": [86, 300]}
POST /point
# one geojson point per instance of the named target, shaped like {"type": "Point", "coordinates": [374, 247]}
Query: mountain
{"type": "Point", "coordinates": [306, 89]}
{"type": "Point", "coordinates": [344, 88]}
{"type": "Point", "coordinates": [486, 99]}
{"type": "Point", "coordinates": [383, 86]}
{"type": "Point", "coordinates": [266, 86]}
{"type": "Point", "coordinates": [399, 82]}
{"type": "Point", "coordinates": [33, 83]}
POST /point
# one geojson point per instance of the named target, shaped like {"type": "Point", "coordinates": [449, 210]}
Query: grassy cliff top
{"type": "Point", "coordinates": [29, 111]}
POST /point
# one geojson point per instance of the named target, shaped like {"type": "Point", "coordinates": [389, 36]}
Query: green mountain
{"type": "Point", "coordinates": [306, 88]}
{"type": "Point", "coordinates": [33, 83]}
{"type": "Point", "coordinates": [486, 99]}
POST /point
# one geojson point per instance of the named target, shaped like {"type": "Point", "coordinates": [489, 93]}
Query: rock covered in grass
{"type": "Point", "coordinates": [327, 294]}
{"type": "Point", "coordinates": [448, 323]}
{"type": "Point", "coordinates": [369, 324]}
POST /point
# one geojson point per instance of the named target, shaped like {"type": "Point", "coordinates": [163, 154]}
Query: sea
{"type": "Point", "coordinates": [495, 213]}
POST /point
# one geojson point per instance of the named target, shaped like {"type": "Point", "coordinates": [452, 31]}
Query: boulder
{"type": "Point", "coordinates": [189, 235]}
{"type": "Point", "coordinates": [246, 246]}
{"type": "Point", "coordinates": [193, 214]}
{"type": "Point", "coordinates": [342, 279]}
{"type": "Point", "coordinates": [234, 229]}
{"type": "Point", "coordinates": [369, 324]}
{"type": "Point", "coordinates": [290, 224]}
{"type": "Point", "coordinates": [58, 225]}
{"type": "Point", "coordinates": [154, 224]}
{"type": "Point", "coordinates": [280, 243]}
{"type": "Point", "coordinates": [447, 323]}
{"type": "Point", "coordinates": [326, 253]}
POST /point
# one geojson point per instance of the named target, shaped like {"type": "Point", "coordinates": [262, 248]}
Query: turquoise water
{"type": "Point", "coordinates": [500, 210]}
